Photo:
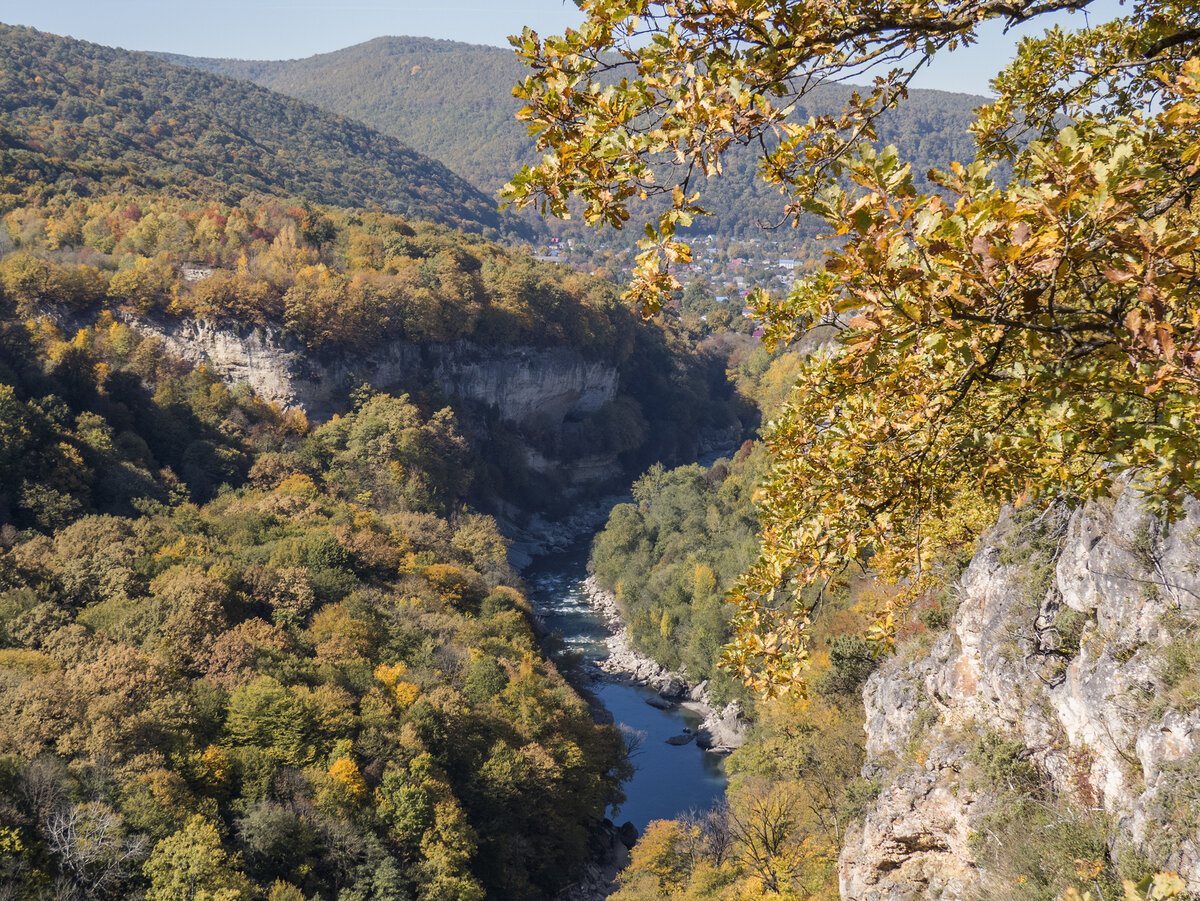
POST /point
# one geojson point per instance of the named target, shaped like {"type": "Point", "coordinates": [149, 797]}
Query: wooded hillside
{"type": "Point", "coordinates": [454, 102]}
{"type": "Point", "coordinates": [77, 118]}
{"type": "Point", "coordinates": [285, 664]}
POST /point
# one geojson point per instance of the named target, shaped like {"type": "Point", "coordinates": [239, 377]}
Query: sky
{"type": "Point", "coordinates": [290, 29]}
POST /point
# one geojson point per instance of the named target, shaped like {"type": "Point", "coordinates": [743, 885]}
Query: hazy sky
{"type": "Point", "coordinates": [286, 29]}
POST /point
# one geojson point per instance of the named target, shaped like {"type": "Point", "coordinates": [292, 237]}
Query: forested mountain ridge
{"type": "Point", "coordinates": [78, 118]}
{"type": "Point", "coordinates": [289, 662]}
{"type": "Point", "coordinates": [454, 102]}
{"type": "Point", "coordinates": [450, 100]}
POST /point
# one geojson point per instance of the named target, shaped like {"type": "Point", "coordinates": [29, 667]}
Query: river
{"type": "Point", "coordinates": [668, 780]}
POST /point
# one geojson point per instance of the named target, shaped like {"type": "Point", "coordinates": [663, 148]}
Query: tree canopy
{"type": "Point", "coordinates": [996, 342]}
{"type": "Point", "coordinates": [80, 119]}
{"type": "Point", "coordinates": [244, 659]}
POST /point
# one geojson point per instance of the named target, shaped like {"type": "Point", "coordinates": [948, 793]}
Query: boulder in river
{"type": "Point", "coordinates": [661, 703]}
{"type": "Point", "coordinates": [675, 689]}
{"type": "Point", "coordinates": [724, 731]}
{"type": "Point", "coordinates": [683, 739]}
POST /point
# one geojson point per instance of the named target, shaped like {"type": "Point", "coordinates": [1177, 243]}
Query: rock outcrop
{"type": "Point", "coordinates": [609, 854]}
{"type": "Point", "coordinates": [526, 385]}
{"type": "Point", "coordinates": [1059, 644]}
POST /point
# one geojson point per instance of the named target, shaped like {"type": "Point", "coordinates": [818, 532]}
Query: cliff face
{"type": "Point", "coordinates": [527, 386]}
{"type": "Point", "coordinates": [1072, 648]}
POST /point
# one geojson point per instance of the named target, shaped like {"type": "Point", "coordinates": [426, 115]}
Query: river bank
{"type": "Point", "coordinates": [658, 709]}
{"type": "Point", "coordinates": [722, 728]}
{"type": "Point", "coordinates": [672, 774]}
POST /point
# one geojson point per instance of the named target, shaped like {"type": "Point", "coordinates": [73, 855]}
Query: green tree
{"type": "Point", "coordinates": [406, 806]}
{"type": "Point", "coordinates": [1002, 341]}
{"type": "Point", "coordinates": [191, 865]}
{"type": "Point", "coordinates": [265, 714]}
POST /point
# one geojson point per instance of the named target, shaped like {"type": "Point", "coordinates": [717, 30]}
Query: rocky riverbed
{"type": "Point", "coordinates": [539, 536]}
{"type": "Point", "coordinates": [535, 536]}
{"type": "Point", "coordinates": [723, 729]}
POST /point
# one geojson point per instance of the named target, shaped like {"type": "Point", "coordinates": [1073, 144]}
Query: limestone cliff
{"type": "Point", "coordinates": [531, 389]}
{"type": "Point", "coordinates": [1072, 648]}
{"type": "Point", "coordinates": [526, 385]}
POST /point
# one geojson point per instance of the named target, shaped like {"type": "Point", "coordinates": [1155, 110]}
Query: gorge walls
{"type": "Point", "coordinates": [1067, 676]}
{"type": "Point", "coordinates": [526, 385]}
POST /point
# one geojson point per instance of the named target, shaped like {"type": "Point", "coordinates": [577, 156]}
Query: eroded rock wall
{"type": "Point", "coordinates": [526, 385]}
{"type": "Point", "coordinates": [1090, 707]}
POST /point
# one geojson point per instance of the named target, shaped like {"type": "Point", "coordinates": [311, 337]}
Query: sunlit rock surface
{"type": "Point", "coordinates": [1091, 718]}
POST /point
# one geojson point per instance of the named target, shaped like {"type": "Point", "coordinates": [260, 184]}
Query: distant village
{"type": "Point", "coordinates": [724, 270]}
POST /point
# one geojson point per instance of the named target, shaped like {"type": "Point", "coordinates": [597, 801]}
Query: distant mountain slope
{"type": "Point", "coordinates": [77, 117]}
{"type": "Point", "coordinates": [454, 102]}
{"type": "Point", "coordinates": [449, 100]}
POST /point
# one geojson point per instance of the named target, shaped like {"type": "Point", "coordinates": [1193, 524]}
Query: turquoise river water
{"type": "Point", "coordinates": [668, 780]}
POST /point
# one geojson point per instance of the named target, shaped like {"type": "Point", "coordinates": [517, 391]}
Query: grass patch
{"type": "Point", "coordinates": [1035, 843]}
{"type": "Point", "coordinates": [1179, 672]}
{"type": "Point", "coordinates": [1070, 623]}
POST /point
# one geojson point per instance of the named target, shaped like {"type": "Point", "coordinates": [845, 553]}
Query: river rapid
{"type": "Point", "coordinates": [668, 780]}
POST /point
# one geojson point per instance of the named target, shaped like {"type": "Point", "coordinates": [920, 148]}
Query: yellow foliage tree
{"type": "Point", "coordinates": [345, 773]}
